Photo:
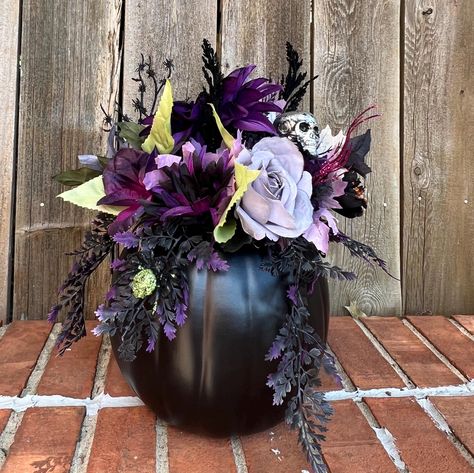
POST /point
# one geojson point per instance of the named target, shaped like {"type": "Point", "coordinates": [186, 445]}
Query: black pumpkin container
{"type": "Point", "coordinates": [212, 378]}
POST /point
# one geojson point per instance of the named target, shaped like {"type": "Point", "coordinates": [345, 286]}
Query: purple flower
{"type": "Point", "coordinates": [243, 105]}
{"type": "Point", "coordinates": [199, 184]}
{"type": "Point", "coordinates": [123, 183]}
{"type": "Point", "coordinates": [278, 203]}
{"type": "Point", "coordinates": [127, 239]}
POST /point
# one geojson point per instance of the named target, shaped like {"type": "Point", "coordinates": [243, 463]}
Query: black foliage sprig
{"type": "Point", "coordinates": [311, 264]}
{"type": "Point", "coordinates": [147, 75]}
{"type": "Point", "coordinates": [301, 353]}
{"type": "Point", "coordinates": [294, 83]}
{"type": "Point", "coordinates": [361, 250]}
{"type": "Point", "coordinates": [212, 70]}
{"type": "Point", "coordinates": [96, 247]}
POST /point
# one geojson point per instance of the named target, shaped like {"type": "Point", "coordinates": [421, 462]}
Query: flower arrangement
{"type": "Point", "coordinates": [191, 181]}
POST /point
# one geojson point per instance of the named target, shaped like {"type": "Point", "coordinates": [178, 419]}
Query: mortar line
{"type": "Point", "coordinates": [80, 459]}
{"type": "Point", "coordinates": [438, 419]}
{"type": "Point", "coordinates": [3, 329]}
{"type": "Point", "coordinates": [7, 436]}
{"type": "Point", "coordinates": [239, 455]}
{"type": "Point", "coordinates": [383, 435]}
{"type": "Point", "coordinates": [426, 405]}
{"type": "Point", "coordinates": [427, 342]}
{"type": "Point", "coordinates": [162, 452]}
{"type": "Point", "coordinates": [105, 401]}
{"type": "Point", "coordinates": [461, 328]}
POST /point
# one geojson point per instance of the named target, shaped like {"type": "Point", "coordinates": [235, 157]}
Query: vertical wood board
{"type": "Point", "coordinates": [172, 29]}
{"type": "Point", "coordinates": [69, 67]}
{"type": "Point", "coordinates": [9, 31]}
{"type": "Point", "coordinates": [256, 32]}
{"type": "Point", "coordinates": [356, 54]}
{"type": "Point", "coordinates": [438, 223]}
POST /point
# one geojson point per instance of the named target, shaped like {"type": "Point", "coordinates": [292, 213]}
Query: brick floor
{"type": "Point", "coordinates": [380, 428]}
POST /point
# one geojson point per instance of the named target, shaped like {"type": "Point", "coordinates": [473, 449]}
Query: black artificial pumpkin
{"type": "Point", "coordinates": [212, 377]}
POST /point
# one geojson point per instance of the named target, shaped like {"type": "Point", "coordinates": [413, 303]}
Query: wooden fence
{"type": "Point", "coordinates": [413, 58]}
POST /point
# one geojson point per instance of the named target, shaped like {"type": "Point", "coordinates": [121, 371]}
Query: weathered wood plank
{"type": "Point", "coordinates": [171, 29]}
{"type": "Point", "coordinates": [256, 31]}
{"type": "Point", "coordinates": [438, 256]}
{"type": "Point", "coordinates": [9, 29]}
{"type": "Point", "coordinates": [356, 54]}
{"type": "Point", "coordinates": [69, 55]}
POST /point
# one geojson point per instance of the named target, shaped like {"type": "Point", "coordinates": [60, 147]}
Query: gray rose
{"type": "Point", "coordinates": [278, 203]}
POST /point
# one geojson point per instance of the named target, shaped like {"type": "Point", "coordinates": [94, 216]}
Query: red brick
{"type": "Point", "coordinates": [416, 360]}
{"type": "Point", "coordinates": [19, 350]}
{"type": "Point", "coordinates": [286, 456]}
{"type": "Point", "coordinates": [45, 441]}
{"type": "Point", "coordinates": [448, 340]}
{"type": "Point", "coordinates": [124, 441]}
{"type": "Point", "coordinates": [467, 321]}
{"type": "Point", "coordinates": [351, 445]}
{"type": "Point", "coordinates": [193, 453]}
{"type": "Point", "coordinates": [459, 413]}
{"type": "Point", "coordinates": [73, 373]}
{"type": "Point", "coordinates": [423, 447]}
{"type": "Point", "coordinates": [4, 415]}
{"type": "Point", "coordinates": [115, 383]}
{"type": "Point", "coordinates": [360, 359]}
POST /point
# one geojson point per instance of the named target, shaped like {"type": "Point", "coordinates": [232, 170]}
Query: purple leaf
{"type": "Point", "coordinates": [216, 263]}
{"type": "Point", "coordinates": [127, 239]}
{"type": "Point", "coordinates": [181, 314]}
{"type": "Point", "coordinates": [53, 313]}
{"type": "Point", "coordinates": [170, 331]}
{"type": "Point", "coordinates": [292, 294]}
{"type": "Point", "coordinates": [118, 264]}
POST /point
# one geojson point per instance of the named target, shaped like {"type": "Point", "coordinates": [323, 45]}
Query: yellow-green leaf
{"type": "Point", "coordinates": [244, 176]}
{"type": "Point", "coordinates": [86, 195]}
{"type": "Point", "coordinates": [160, 136]}
{"type": "Point", "coordinates": [355, 310]}
{"type": "Point", "coordinates": [226, 136]}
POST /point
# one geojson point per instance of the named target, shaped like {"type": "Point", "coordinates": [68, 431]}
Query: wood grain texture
{"type": "Point", "coordinates": [356, 54]}
{"type": "Point", "coordinates": [69, 65]}
{"type": "Point", "coordinates": [438, 173]}
{"type": "Point", "coordinates": [9, 27]}
{"type": "Point", "coordinates": [167, 29]}
{"type": "Point", "coordinates": [256, 31]}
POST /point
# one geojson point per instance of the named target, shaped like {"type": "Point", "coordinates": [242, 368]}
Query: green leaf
{"type": "Point", "coordinates": [76, 177]}
{"type": "Point", "coordinates": [244, 176]}
{"type": "Point", "coordinates": [226, 136]}
{"type": "Point", "coordinates": [355, 310]}
{"type": "Point", "coordinates": [160, 136]}
{"type": "Point", "coordinates": [130, 131]}
{"type": "Point", "coordinates": [88, 194]}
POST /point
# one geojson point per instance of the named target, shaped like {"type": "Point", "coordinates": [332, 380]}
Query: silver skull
{"type": "Point", "coordinates": [301, 128]}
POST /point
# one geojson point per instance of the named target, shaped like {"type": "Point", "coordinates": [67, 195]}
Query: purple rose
{"type": "Point", "coordinates": [278, 203]}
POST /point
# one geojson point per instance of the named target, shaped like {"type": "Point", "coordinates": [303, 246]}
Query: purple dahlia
{"type": "Point", "coordinates": [123, 183]}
